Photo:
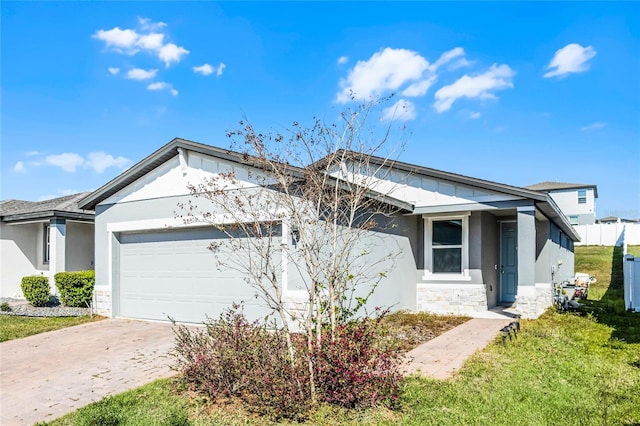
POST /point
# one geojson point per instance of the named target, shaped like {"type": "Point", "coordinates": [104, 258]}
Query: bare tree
{"type": "Point", "coordinates": [303, 225]}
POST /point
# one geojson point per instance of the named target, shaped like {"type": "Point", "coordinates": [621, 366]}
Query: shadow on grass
{"type": "Point", "coordinates": [610, 310]}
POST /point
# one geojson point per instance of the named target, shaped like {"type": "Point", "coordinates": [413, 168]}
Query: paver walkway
{"type": "Point", "coordinates": [441, 357]}
{"type": "Point", "coordinates": [47, 375]}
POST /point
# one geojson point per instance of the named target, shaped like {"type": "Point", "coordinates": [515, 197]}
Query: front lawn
{"type": "Point", "coordinates": [16, 327]}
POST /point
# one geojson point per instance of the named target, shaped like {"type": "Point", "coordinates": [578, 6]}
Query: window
{"type": "Point", "coordinates": [446, 244]}
{"type": "Point", "coordinates": [573, 220]}
{"type": "Point", "coordinates": [46, 244]}
{"type": "Point", "coordinates": [582, 196]}
{"type": "Point", "coordinates": [446, 255]}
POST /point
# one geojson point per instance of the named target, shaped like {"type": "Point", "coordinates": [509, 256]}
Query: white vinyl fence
{"type": "Point", "coordinates": [608, 234]}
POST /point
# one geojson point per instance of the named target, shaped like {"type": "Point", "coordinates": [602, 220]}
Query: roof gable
{"type": "Point", "coordinates": [156, 159]}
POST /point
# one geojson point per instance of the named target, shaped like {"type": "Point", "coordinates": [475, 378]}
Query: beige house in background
{"type": "Point", "coordinates": [576, 200]}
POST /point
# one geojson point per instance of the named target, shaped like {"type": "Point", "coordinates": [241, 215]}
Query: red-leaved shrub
{"type": "Point", "coordinates": [232, 357]}
{"type": "Point", "coordinates": [235, 358]}
{"type": "Point", "coordinates": [358, 369]}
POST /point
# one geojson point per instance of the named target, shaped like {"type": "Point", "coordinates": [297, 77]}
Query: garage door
{"type": "Point", "coordinates": [173, 274]}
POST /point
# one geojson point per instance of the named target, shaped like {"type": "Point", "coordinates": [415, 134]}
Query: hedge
{"type": "Point", "coordinates": [76, 288]}
{"type": "Point", "coordinates": [36, 289]}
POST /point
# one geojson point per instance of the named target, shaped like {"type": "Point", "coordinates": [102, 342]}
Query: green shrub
{"type": "Point", "coordinates": [36, 289]}
{"type": "Point", "coordinates": [76, 288]}
{"type": "Point", "coordinates": [5, 307]}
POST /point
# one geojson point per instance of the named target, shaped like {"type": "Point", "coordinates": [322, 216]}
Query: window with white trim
{"type": "Point", "coordinates": [574, 220]}
{"type": "Point", "coordinates": [46, 244]}
{"type": "Point", "coordinates": [582, 196]}
{"type": "Point", "coordinates": [446, 247]}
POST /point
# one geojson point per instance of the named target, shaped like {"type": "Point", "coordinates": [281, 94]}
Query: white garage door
{"type": "Point", "coordinates": [173, 274]}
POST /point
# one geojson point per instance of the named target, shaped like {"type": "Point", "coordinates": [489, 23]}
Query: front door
{"type": "Point", "coordinates": [508, 261]}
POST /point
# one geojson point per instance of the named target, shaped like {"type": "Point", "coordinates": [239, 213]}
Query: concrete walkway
{"type": "Point", "coordinates": [441, 357]}
{"type": "Point", "coordinates": [47, 375]}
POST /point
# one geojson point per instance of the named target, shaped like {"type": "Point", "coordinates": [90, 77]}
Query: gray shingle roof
{"type": "Point", "coordinates": [67, 206]}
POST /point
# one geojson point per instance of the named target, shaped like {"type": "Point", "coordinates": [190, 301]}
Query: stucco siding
{"type": "Point", "coordinates": [395, 290]}
{"type": "Point", "coordinates": [567, 200]}
{"type": "Point", "coordinates": [20, 247]}
{"type": "Point", "coordinates": [544, 266]}
{"type": "Point", "coordinates": [490, 257]}
{"type": "Point", "coordinates": [79, 246]}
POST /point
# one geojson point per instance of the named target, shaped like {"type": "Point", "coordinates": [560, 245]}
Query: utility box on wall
{"type": "Point", "coordinates": [631, 271]}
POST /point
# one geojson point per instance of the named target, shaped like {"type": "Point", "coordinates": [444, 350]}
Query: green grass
{"type": "Point", "coordinates": [563, 369]}
{"type": "Point", "coordinates": [16, 327]}
{"type": "Point", "coordinates": [606, 296]}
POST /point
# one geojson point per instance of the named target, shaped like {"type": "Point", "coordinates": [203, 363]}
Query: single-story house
{"type": "Point", "coordinates": [466, 244]}
{"type": "Point", "coordinates": [43, 238]}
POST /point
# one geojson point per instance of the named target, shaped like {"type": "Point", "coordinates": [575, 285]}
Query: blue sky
{"type": "Point", "coordinates": [517, 93]}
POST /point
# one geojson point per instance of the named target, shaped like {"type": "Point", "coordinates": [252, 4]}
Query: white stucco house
{"type": "Point", "coordinates": [576, 200]}
{"type": "Point", "coordinates": [466, 244]}
{"type": "Point", "coordinates": [43, 238]}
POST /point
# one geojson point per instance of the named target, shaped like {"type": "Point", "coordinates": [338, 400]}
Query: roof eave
{"type": "Point", "coordinates": [559, 218]}
{"type": "Point", "coordinates": [47, 215]}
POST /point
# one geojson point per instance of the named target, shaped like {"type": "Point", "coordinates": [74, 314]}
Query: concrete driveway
{"type": "Point", "coordinates": [47, 375]}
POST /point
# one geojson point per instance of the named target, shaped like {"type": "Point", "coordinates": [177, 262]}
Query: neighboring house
{"type": "Point", "coordinates": [466, 245]}
{"type": "Point", "coordinates": [43, 238]}
{"type": "Point", "coordinates": [576, 200]}
{"type": "Point", "coordinates": [615, 219]}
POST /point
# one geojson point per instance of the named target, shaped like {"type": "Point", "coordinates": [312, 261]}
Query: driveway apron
{"type": "Point", "coordinates": [47, 375]}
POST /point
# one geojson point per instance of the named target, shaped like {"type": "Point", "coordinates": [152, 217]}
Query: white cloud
{"type": "Point", "coordinates": [594, 126]}
{"type": "Point", "coordinates": [68, 162]}
{"type": "Point", "coordinates": [220, 69]}
{"type": "Point", "coordinates": [392, 69]}
{"type": "Point", "coordinates": [402, 110]}
{"type": "Point", "coordinates": [481, 86]}
{"type": "Point", "coordinates": [204, 69]}
{"type": "Point", "coordinates": [19, 167]}
{"type": "Point", "coordinates": [122, 40]}
{"type": "Point", "coordinates": [343, 60]}
{"type": "Point", "coordinates": [32, 153]}
{"type": "Point", "coordinates": [148, 25]}
{"type": "Point", "coordinates": [447, 57]}
{"type": "Point", "coordinates": [386, 70]}
{"type": "Point", "coordinates": [140, 74]}
{"type": "Point", "coordinates": [149, 37]}
{"type": "Point", "coordinates": [572, 58]}
{"type": "Point", "coordinates": [100, 161]}
{"type": "Point", "coordinates": [114, 70]}
{"type": "Point", "coordinates": [171, 53]}
{"type": "Point", "coordinates": [161, 85]}
{"type": "Point", "coordinates": [150, 41]}
{"type": "Point", "coordinates": [420, 88]}
{"type": "Point", "coordinates": [475, 115]}
{"type": "Point", "coordinates": [459, 63]}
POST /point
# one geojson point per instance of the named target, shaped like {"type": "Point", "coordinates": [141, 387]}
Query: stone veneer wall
{"type": "Point", "coordinates": [454, 299]}
{"type": "Point", "coordinates": [532, 303]}
{"type": "Point", "coordinates": [103, 301]}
